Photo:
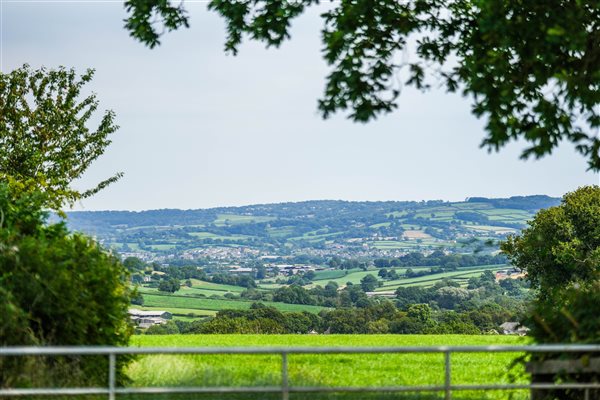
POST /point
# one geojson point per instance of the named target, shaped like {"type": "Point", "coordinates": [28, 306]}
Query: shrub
{"type": "Point", "coordinates": [58, 288]}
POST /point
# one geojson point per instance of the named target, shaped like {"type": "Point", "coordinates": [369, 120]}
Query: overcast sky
{"type": "Point", "coordinates": [202, 129]}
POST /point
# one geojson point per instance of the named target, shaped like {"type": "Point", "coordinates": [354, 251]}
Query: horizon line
{"type": "Point", "coordinates": [308, 201]}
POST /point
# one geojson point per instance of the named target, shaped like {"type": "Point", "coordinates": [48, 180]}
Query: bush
{"type": "Point", "coordinates": [58, 288]}
{"type": "Point", "coordinates": [170, 328]}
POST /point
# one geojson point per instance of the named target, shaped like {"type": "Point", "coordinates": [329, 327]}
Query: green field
{"type": "Point", "coordinates": [233, 219]}
{"type": "Point", "coordinates": [328, 275]}
{"type": "Point", "coordinates": [355, 275]}
{"type": "Point", "coordinates": [192, 303]}
{"type": "Point", "coordinates": [198, 284]}
{"type": "Point", "coordinates": [179, 313]}
{"type": "Point", "coordinates": [408, 244]}
{"type": "Point", "coordinates": [427, 280]}
{"type": "Point", "coordinates": [327, 370]}
{"type": "Point", "coordinates": [209, 235]}
{"type": "Point", "coordinates": [198, 289]}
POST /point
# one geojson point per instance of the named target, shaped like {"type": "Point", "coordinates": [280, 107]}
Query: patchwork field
{"type": "Point", "coordinates": [327, 370]}
{"type": "Point", "coordinates": [277, 228]}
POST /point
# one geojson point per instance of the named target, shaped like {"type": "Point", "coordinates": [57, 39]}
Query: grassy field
{"type": "Point", "coordinates": [326, 370]}
{"type": "Point", "coordinates": [461, 274]}
{"type": "Point", "coordinates": [233, 219]}
{"type": "Point", "coordinates": [192, 303]}
{"type": "Point", "coordinates": [329, 274]}
{"type": "Point", "coordinates": [209, 235]}
{"type": "Point", "coordinates": [355, 275]}
{"type": "Point", "coordinates": [200, 287]}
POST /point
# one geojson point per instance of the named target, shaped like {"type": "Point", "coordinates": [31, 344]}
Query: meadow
{"type": "Point", "coordinates": [174, 301]}
{"type": "Point", "coordinates": [328, 370]}
{"type": "Point", "coordinates": [461, 275]}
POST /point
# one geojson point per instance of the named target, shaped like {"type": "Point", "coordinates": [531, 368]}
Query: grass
{"type": "Point", "coordinates": [281, 231]}
{"type": "Point", "coordinates": [329, 274]}
{"type": "Point", "coordinates": [314, 236]}
{"type": "Point", "coordinates": [430, 279]}
{"type": "Point", "coordinates": [207, 289]}
{"type": "Point", "coordinates": [354, 276]}
{"type": "Point", "coordinates": [162, 247]}
{"type": "Point", "coordinates": [209, 235]}
{"type": "Point", "coordinates": [192, 303]}
{"type": "Point", "coordinates": [178, 311]}
{"type": "Point", "coordinates": [233, 219]}
{"type": "Point", "coordinates": [198, 284]}
{"type": "Point", "coordinates": [325, 370]}
{"type": "Point", "coordinates": [407, 244]}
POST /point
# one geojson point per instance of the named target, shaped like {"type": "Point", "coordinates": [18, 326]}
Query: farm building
{"type": "Point", "coordinates": [145, 319]}
{"type": "Point", "coordinates": [234, 269]}
{"type": "Point", "coordinates": [509, 274]}
{"type": "Point", "coordinates": [513, 328]}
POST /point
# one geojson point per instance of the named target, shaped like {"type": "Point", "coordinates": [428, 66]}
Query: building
{"type": "Point", "coordinates": [145, 319]}
{"type": "Point", "coordinates": [513, 328]}
{"type": "Point", "coordinates": [509, 274]}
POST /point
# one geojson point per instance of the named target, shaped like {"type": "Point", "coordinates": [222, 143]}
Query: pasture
{"type": "Point", "coordinates": [341, 277]}
{"type": "Point", "coordinates": [327, 370]}
{"type": "Point", "coordinates": [460, 275]}
{"type": "Point", "coordinates": [234, 219]}
{"type": "Point", "coordinates": [174, 301]}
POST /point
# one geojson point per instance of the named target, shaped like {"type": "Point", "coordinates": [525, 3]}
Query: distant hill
{"type": "Point", "coordinates": [318, 228]}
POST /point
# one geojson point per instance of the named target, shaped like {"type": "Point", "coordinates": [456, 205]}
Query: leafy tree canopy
{"type": "Point", "coordinates": [532, 69]}
{"type": "Point", "coordinates": [560, 252]}
{"type": "Point", "coordinates": [561, 246]}
{"type": "Point", "coordinates": [45, 141]}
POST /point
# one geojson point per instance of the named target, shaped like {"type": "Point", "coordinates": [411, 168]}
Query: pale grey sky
{"type": "Point", "coordinates": [203, 129]}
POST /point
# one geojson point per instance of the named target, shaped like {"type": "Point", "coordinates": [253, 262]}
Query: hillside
{"type": "Point", "coordinates": [317, 229]}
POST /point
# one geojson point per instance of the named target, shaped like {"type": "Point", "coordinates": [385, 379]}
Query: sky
{"type": "Point", "coordinates": [200, 128]}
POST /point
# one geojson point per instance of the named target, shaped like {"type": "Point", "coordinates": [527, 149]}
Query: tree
{"type": "Point", "coordinates": [134, 264]}
{"type": "Point", "coordinates": [45, 141]}
{"type": "Point", "coordinates": [560, 252]}
{"type": "Point", "coordinates": [261, 271]}
{"type": "Point", "coordinates": [170, 285]}
{"type": "Point", "coordinates": [532, 69]}
{"type": "Point", "coordinates": [419, 312]}
{"type": "Point", "coordinates": [392, 275]}
{"type": "Point", "coordinates": [561, 246]}
{"type": "Point", "coordinates": [369, 283]}
{"type": "Point", "coordinates": [448, 297]}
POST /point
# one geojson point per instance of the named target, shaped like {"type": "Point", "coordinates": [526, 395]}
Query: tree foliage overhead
{"type": "Point", "coordinates": [532, 69]}
{"type": "Point", "coordinates": [44, 132]}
